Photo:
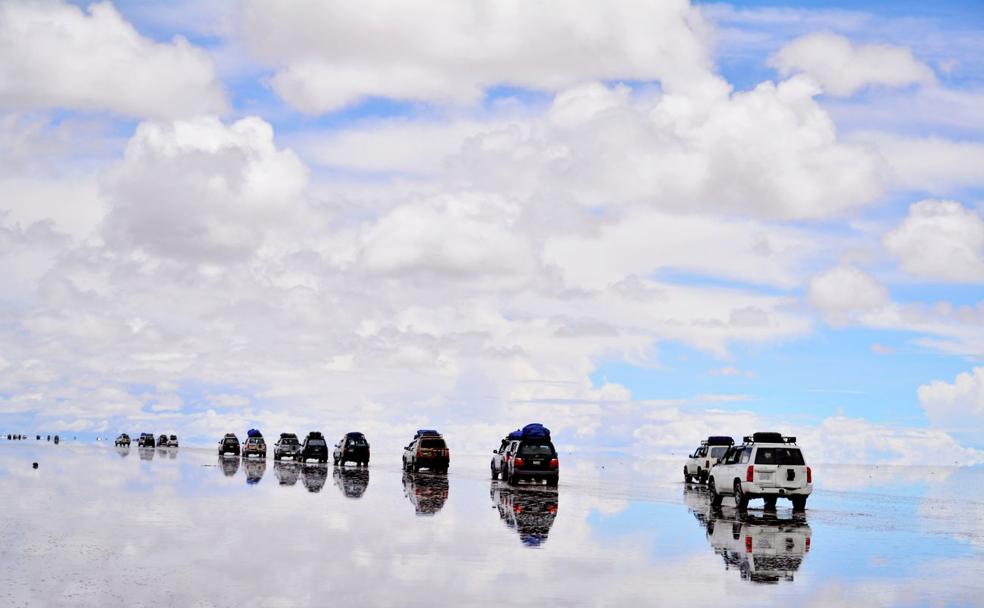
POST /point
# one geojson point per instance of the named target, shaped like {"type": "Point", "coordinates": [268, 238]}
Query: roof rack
{"type": "Point", "coordinates": [768, 438]}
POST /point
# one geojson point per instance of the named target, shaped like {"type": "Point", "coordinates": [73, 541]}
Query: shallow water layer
{"type": "Point", "coordinates": [99, 526]}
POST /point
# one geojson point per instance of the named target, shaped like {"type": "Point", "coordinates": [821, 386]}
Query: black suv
{"type": "Point", "coordinates": [229, 444]}
{"type": "Point", "coordinates": [314, 448]}
{"type": "Point", "coordinates": [146, 440]}
{"type": "Point", "coordinates": [531, 459]}
{"type": "Point", "coordinates": [352, 447]}
{"type": "Point", "coordinates": [162, 441]}
{"type": "Point", "coordinates": [286, 447]}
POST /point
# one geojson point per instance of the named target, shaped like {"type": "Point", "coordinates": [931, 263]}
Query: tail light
{"type": "Point", "coordinates": [517, 508]}
{"type": "Point", "coordinates": [809, 475]}
{"type": "Point", "coordinates": [807, 544]}
{"type": "Point", "coordinates": [707, 464]}
{"type": "Point", "coordinates": [518, 462]}
{"type": "Point", "coordinates": [554, 463]}
{"type": "Point", "coordinates": [552, 509]}
{"type": "Point", "coordinates": [748, 544]}
{"type": "Point", "coordinates": [750, 474]}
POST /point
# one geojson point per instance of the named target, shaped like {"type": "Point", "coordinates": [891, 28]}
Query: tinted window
{"type": "Point", "coordinates": [733, 456]}
{"type": "Point", "coordinates": [432, 442]}
{"type": "Point", "coordinates": [779, 456]}
{"type": "Point", "coordinates": [358, 443]}
{"type": "Point", "coordinates": [316, 442]}
{"type": "Point", "coordinates": [288, 440]}
{"type": "Point", "coordinates": [718, 452]}
{"type": "Point", "coordinates": [745, 455]}
{"type": "Point", "coordinates": [536, 449]}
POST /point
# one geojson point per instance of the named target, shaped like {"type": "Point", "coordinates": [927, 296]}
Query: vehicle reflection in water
{"type": "Point", "coordinates": [427, 492]}
{"type": "Point", "coordinates": [530, 512]}
{"type": "Point", "coordinates": [123, 451]}
{"type": "Point", "coordinates": [352, 482]}
{"type": "Point", "coordinates": [314, 476]}
{"type": "Point", "coordinates": [172, 453]}
{"type": "Point", "coordinates": [254, 469]}
{"type": "Point", "coordinates": [765, 547]}
{"type": "Point", "coordinates": [229, 464]}
{"type": "Point", "coordinates": [146, 453]}
{"type": "Point", "coordinates": [287, 472]}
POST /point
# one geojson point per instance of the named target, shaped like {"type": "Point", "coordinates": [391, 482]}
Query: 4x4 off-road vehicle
{"type": "Point", "coordinates": [699, 463]}
{"type": "Point", "coordinates": [768, 466]}
{"type": "Point", "coordinates": [146, 440]}
{"type": "Point", "coordinates": [426, 451]}
{"type": "Point", "coordinates": [229, 444]}
{"type": "Point", "coordinates": [254, 445]}
{"type": "Point", "coordinates": [123, 440]}
{"type": "Point", "coordinates": [286, 447]}
{"type": "Point", "coordinates": [314, 448]}
{"type": "Point", "coordinates": [352, 447]}
{"type": "Point", "coordinates": [531, 456]}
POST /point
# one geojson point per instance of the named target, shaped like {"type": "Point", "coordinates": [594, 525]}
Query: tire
{"type": "Point", "coordinates": [414, 466]}
{"type": "Point", "coordinates": [799, 503]}
{"type": "Point", "coordinates": [495, 474]}
{"type": "Point", "coordinates": [552, 482]}
{"type": "Point", "coordinates": [335, 461]}
{"type": "Point", "coordinates": [702, 477]}
{"type": "Point", "coordinates": [770, 503]}
{"type": "Point", "coordinates": [687, 477]}
{"type": "Point", "coordinates": [741, 499]}
{"type": "Point", "coordinates": [715, 497]}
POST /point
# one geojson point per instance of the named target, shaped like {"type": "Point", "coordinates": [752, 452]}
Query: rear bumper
{"type": "Point", "coordinates": [433, 462]}
{"type": "Point", "coordinates": [534, 474]}
{"type": "Point", "coordinates": [754, 489]}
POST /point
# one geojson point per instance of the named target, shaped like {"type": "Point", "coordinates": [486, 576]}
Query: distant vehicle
{"type": "Point", "coordinates": [229, 444]}
{"type": "Point", "coordinates": [146, 440]}
{"type": "Point", "coordinates": [254, 445]}
{"type": "Point", "coordinates": [699, 463]}
{"type": "Point", "coordinates": [314, 476]}
{"type": "Point", "coordinates": [530, 513]}
{"type": "Point", "coordinates": [162, 441]}
{"type": "Point", "coordinates": [352, 482]}
{"type": "Point", "coordinates": [254, 469]}
{"type": "Point", "coordinates": [172, 441]}
{"type": "Point", "coordinates": [123, 439]}
{"type": "Point", "coordinates": [426, 451]}
{"type": "Point", "coordinates": [57, 439]}
{"type": "Point", "coordinates": [352, 447]}
{"type": "Point", "coordinates": [427, 493]}
{"type": "Point", "coordinates": [287, 472]}
{"type": "Point", "coordinates": [498, 456]}
{"type": "Point", "coordinates": [768, 466]}
{"type": "Point", "coordinates": [531, 456]}
{"type": "Point", "coordinates": [314, 448]}
{"type": "Point", "coordinates": [286, 447]}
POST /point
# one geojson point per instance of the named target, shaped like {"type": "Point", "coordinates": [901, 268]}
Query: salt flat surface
{"type": "Point", "coordinates": [99, 526]}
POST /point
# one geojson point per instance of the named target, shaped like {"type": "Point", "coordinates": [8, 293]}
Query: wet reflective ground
{"type": "Point", "coordinates": [101, 526]}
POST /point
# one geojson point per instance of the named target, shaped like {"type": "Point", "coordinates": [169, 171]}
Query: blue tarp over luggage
{"type": "Point", "coordinates": [533, 430]}
{"type": "Point", "coordinates": [254, 433]}
{"type": "Point", "coordinates": [430, 432]}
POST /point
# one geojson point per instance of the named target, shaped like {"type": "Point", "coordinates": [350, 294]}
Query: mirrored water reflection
{"type": "Point", "coordinates": [255, 467]}
{"type": "Point", "coordinates": [229, 464]}
{"type": "Point", "coordinates": [427, 492]}
{"type": "Point", "coordinates": [147, 453]}
{"type": "Point", "coordinates": [89, 527]}
{"type": "Point", "coordinates": [351, 481]}
{"type": "Point", "coordinates": [529, 512]}
{"type": "Point", "coordinates": [123, 451]}
{"type": "Point", "coordinates": [314, 475]}
{"type": "Point", "coordinates": [286, 471]}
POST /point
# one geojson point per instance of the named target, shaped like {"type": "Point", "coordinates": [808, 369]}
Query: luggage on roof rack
{"type": "Point", "coordinates": [427, 432]}
{"type": "Point", "coordinates": [354, 435]}
{"type": "Point", "coordinates": [720, 440]}
{"type": "Point", "coordinates": [533, 430]}
{"type": "Point", "coordinates": [254, 433]}
{"type": "Point", "coordinates": [769, 438]}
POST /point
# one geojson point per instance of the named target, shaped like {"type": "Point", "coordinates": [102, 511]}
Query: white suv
{"type": "Point", "coordinates": [699, 463]}
{"type": "Point", "coordinates": [767, 466]}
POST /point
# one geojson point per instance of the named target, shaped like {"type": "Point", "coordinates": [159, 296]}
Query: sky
{"type": "Point", "coordinates": [640, 223]}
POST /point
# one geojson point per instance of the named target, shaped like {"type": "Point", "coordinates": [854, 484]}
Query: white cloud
{"type": "Point", "coordinates": [844, 293]}
{"type": "Point", "coordinates": [54, 55]}
{"type": "Point", "coordinates": [940, 241]}
{"type": "Point", "coordinates": [958, 406]}
{"type": "Point", "coordinates": [329, 55]}
{"type": "Point", "coordinates": [842, 68]}
{"type": "Point", "coordinates": [929, 164]}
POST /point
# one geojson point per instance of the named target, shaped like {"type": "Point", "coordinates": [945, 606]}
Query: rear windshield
{"type": "Point", "coordinates": [536, 449]}
{"type": "Point", "coordinates": [231, 440]}
{"type": "Point", "coordinates": [316, 442]}
{"type": "Point", "coordinates": [780, 456]}
{"type": "Point", "coordinates": [718, 451]}
{"type": "Point", "coordinates": [432, 442]}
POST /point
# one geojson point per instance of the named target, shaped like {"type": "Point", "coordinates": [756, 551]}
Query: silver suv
{"type": "Point", "coordinates": [767, 466]}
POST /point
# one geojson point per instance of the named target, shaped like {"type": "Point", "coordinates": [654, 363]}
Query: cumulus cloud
{"type": "Point", "coordinates": [928, 164]}
{"type": "Point", "coordinates": [940, 241]}
{"type": "Point", "coordinates": [843, 68]}
{"type": "Point", "coordinates": [844, 293]}
{"type": "Point", "coordinates": [328, 56]}
{"type": "Point", "coordinates": [957, 405]}
{"type": "Point", "coordinates": [202, 190]}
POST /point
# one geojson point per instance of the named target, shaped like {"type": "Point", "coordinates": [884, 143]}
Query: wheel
{"type": "Point", "coordinates": [414, 466]}
{"type": "Point", "coordinates": [741, 499]}
{"type": "Point", "coordinates": [702, 477]}
{"type": "Point", "coordinates": [335, 461]}
{"type": "Point", "coordinates": [770, 503]}
{"type": "Point", "coordinates": [687, 477]}
{"type": "Point", "coordinates": [799, 503]}
{"type": "Point", "coordinates": [495, 474]}
{"type": "Point", "coordinates": [715, 497]}
{"type": "Point", "coordinates": [552, 483]}
{"type": "Point", "coordinates": [513, 480]}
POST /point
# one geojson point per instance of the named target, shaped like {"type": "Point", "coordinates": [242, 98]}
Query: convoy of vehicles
{"type": "Point", "coordinates": [767, 466]}
{"type": "Point", "coordinates": [146, 440]}
{"type": "Point", "coordinates": [699, 463]}
{"type": "Point", "coordinates": [352, 447]}
{"type": "Point", "coordinates": [427, 450]}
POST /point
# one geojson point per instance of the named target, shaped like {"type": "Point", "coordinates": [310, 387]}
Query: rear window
{"type": "Point", "coordinates": [358, 443]}
{"type": "Point", "coordinates": [779, 456]}
{"type": "Point", "coordinates": [231, 440]}
{"type": "Point", "coordinates": [432, 442]}
{"type": "Point", "coordinates": [288, 440]}
{"type": "Point", "coordinates": [536, 449]}
{"type": "Point", "coordinates": [316, 442]}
